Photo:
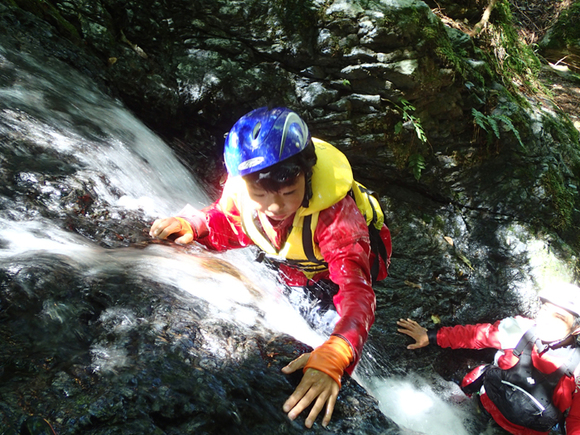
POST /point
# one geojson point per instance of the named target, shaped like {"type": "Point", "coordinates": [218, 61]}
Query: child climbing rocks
{"type": "Point", "coordinates": [295, 198]}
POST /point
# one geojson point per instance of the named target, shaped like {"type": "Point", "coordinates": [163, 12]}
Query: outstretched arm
{"type": "Point", "coordinates": [218, 226]}
{"type": "Point", "coordinates": [342, 237]}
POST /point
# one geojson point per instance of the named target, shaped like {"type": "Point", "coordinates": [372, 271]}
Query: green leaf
{"type": "Point", "coordinates": [494, 126]}
{"type": "Point", "coordinates": [407, 107]}
{"type": "Point", "coordinates": [480, 119]}
{"type": "Point", "coordinates": [508, 122]}
{"type": "Point", "coordinates": [420, 132]}
{"type": "Point", "coordinates": [398, 127]}
{"type": "Point", "coordinates": [417, 164]}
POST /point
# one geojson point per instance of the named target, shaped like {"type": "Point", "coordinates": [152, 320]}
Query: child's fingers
{"type": "Point", "coordinates": [296, 364]}
{"type": "Point", "coordinates": [329, 410]}
{"type": "Point", "coordinates": [185, 239]}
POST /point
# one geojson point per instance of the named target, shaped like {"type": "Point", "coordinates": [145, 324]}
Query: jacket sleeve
{"type": "Point", "coordinates": [480, 336]}
{"type": "Point", "coordinates": [503, 334]}
{"type": "Point", "coordinates": [573, 419]}
{"type": "Point", "coordinates": [342, 236]}
{"type": "Point", "coordinates": [223, 228]}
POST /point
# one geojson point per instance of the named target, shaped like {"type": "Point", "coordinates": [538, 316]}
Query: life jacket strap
{"type": "Point", "coordinates": [307, 241]}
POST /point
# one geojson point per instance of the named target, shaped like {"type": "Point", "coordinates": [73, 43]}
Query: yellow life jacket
{"type": "Point", "coordinates": [332, 180]}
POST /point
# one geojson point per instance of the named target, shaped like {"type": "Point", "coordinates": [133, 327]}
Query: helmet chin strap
{"type": "Point", "coordinates": [555, 343]}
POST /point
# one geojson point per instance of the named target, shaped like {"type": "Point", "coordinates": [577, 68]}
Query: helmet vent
{"type": "Point", "coordinates": [256, 131]}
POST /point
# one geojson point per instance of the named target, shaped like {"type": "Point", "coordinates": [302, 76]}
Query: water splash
{"type": "Point", "coordinates": [424, 403]}
{"type": "Point", "coordinates": [413, 402]}
{"type": "Point", "coordinates": [63, 112]}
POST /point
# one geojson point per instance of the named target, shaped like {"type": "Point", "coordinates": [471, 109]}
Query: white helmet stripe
{"type": "Point", "coordinates": [290, 119]}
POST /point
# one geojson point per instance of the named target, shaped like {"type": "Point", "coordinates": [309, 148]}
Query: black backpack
{"type": "Point", "coordinates": [523, 394]}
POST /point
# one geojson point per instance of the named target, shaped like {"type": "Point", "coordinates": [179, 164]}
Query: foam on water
{"type": "Point", "coordinates": [62, 111]}
{"type": "Point", "coordinates": [253, 300]}
{"type": "Point", "coordinates": [430, 406]}
{"type": "Point", "coordinates": [412, 402]}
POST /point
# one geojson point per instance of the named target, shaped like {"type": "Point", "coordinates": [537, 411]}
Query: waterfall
{"type": "Point", "coordinates": [63, 120]}
{"type": "Point", "coordinates": [77, 170]}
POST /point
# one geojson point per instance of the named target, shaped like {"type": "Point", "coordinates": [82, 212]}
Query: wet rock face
{"type": "Point", "coordinates": [118, 354]}
{"type": "Point", "coordinates": [191, 69]}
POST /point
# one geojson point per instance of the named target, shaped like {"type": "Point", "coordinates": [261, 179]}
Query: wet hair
{"type": "Point", "coordinates": [576, 323]}
{"type": "Point", "coordinates": [575, 326]}
{"type": "Point", "coordinates": [284, 173]}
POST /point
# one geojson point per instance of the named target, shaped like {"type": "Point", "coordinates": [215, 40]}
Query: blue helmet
{"type": "Point", "coordinates": [263, 138]}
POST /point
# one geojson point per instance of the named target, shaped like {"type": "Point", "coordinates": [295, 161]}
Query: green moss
{"type": "Point", "coordinates": [513, 62]}
{"type": "Point", "coordinates": [456, 59]}
{"type": "Point", "coordinates": [562, 197]}
{"type": "Point", "coordinates": [506, 58]}
{"type": "Point", "coordinates": [454, 48]}
{"type": "Point", "coordinates": [46, 11]}
{"type": "Point", "coordinates": [561, 129]}
{"type": "Point", "coordinates": [566, 31]}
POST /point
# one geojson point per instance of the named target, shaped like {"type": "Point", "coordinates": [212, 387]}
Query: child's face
{"type": "Point", "coordinates": [553, 323]}
{"type": "Point", "coordinates": [281, 204]}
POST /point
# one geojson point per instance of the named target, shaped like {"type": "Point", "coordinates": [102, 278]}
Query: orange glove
{"type": "Point", "coordinates": [331, 357]}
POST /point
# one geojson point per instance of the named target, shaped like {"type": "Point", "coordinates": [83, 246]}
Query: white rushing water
{"type": "Point", "coordinates": [412, 402]}
{"type": "Point", "coordinates": [129, 168]}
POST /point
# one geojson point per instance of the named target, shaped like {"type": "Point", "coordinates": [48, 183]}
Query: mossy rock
{"type": "Point", "coordinates": [565, 33]}
{"type": "Point", "coordinates": [563, 39]}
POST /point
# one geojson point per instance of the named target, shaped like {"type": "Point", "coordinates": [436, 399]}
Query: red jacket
{"type": "Point", "coordinates": [505, 335]}
{"type": "Point", "coordinates": [343, 238]}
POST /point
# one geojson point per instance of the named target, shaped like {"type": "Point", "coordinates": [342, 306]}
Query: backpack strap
{"type": "Point", "coordinates": [377, 245]}
{"type": "Point", "coordinates": [529, 338]}
{"type": "Point", "coordinates": [570, 366]}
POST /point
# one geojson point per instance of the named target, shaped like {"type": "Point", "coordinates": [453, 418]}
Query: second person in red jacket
{"type": "Point", "coordinates": [533, 383]}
